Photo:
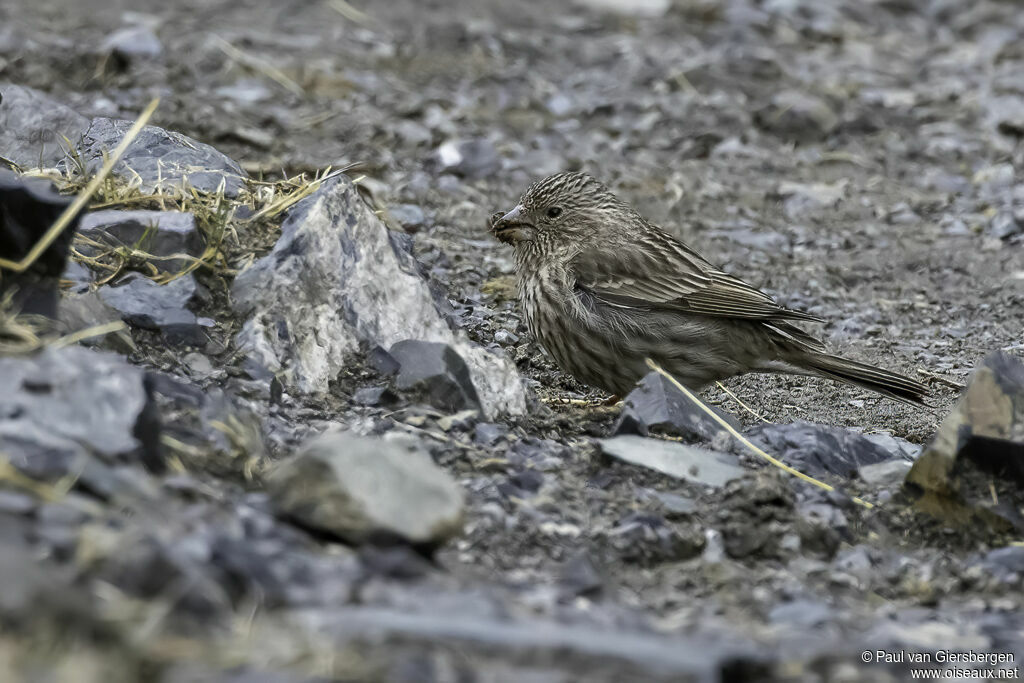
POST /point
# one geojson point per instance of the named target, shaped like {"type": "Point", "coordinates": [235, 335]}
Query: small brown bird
{"type": "Point", "coordinates": [603, 289]}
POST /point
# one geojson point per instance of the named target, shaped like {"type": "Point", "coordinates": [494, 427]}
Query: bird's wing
{"type": "Point", "coordinates": [663, 273]}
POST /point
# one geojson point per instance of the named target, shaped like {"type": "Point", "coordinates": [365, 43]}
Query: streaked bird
{"type": "Point", "coordinates": [603, 289]}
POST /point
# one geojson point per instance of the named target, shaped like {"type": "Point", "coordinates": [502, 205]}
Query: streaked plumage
{"type": "Point", "coordinates": [602, 289]}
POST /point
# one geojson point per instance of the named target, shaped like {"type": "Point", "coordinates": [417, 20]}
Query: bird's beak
{"type": "Point", "coordinates": [511, 227]}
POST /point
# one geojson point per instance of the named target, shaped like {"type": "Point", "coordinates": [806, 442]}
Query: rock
{"type": "Point", "coordinates": [656, 404]}
{"type": "Point", "coordinates": [1004, 225]}
{"type": "Point", "coordinates": [804, 613]}
{"type": "Point", "coordinates": [409, 216]}
{"type": "Point", "coordinates": [640, 8]}
{"type": "Point", "coordinates": [488, 433]}
{"type": "Point", "coordinates": [143, 303]}
{"type": "Point", "coordinates": [802, 198]}
{"type": "Point", "coordinates": [697, 465]}
{"type": "Point", "coordinates": [160, 233]}
{"type": "Point", "coordinates": [364, 489]}
{"type": "Point", "coordinates": [133, 43]}
{"type": "Point", "coordinates": [162, 160]}
{"type": "Point", "coordinates": [797, 116]}
{"type": "Point", "coordinates": [580, 576]}
{"type": "Point", "coordinates": [62, 406]}
{"type": "Point", "coordinates": [885, 473]}
{"type": "Point", "coordinates": [373, 396]}
{"type": "Point", "coordinates": [334, 282]}
{"type": "Point", "coordinates": [33, 127]}
{"type": "Point", "coordinates": [974, 465]}
{"type": "Point", "coordinates": [82, 310]}
{"type": "Point", "coordinates": [436, 372]}
{"type": "Point", "coordinates": [1005, 560]}
{"type": "Point", "coordinates": [817, 449]}
{"type": "Point", "coordinates": [641, 537]}
{"type": "Point", "coordinates": [473, 158]}
{"type": "Point", "coordinates": [28, 208]}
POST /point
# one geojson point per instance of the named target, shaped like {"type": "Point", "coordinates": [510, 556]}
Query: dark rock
{"type": "Point", "coordinates": [162, 160]}
{"type": "Point", "coordinates": [64, 405]}
{"type": "Point", "coordinates": [474, 158]}
{"type": "Point", "coordinates": [28, 208]}
{"type": "Point", "coordinates": [1005, 560]}
{"type": "Point", "coordinates": [14, 503]}
{"type": "Point", "coordinates": [436, 372]}
{"type": "Point", "coordinates": [382, 361]}
{"type": "Point", "coordinates": [974, 466]}
{"type": "Point", "coordinates": [143, 303]}
{"type": "Point", "coordinates": [817, 449]}
{"type": "Point", "coordinates": [797, 116]}
{"type": "Point", "coordinates": [364, 489]}
{"type": "Point", "coordinates": [656, 404]}
{"type": "Point", "coordinates": [160, 233]}
{"type": "Point", "coordinates": [33, 127]}
{"type": "Point", "coordinates": [334, 283]}
{"type": "Point", "coordinates": [697, 465]}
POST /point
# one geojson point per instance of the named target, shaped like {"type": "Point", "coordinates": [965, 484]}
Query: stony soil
{"type": "Point", "coordinates": [877, 198]}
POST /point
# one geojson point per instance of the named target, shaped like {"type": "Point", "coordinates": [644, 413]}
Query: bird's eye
{"type": "Point", "coordinates": [554, 212]}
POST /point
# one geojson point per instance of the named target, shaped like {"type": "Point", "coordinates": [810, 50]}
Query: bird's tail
{"type": "Point", "coordinates": [863, 375]}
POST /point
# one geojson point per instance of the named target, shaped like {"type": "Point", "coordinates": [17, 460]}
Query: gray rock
{"type": "Point", "coordinates": [373, 396]}
{"type": "Point", "coordinates": [656, 404]}
{"type": "Point", "coordinates": [33, 126]}
{"type": "Point", "coordinates": [161, 159]}
{"type": "Point", "coordinates": [436, 372]}
{"type": "Point", "coordinates": [160, 233]}
{"type": "Point", "coordinates": [675, 459]}
{"type": "Point", "coordinates": [888, 472]}
{"type": "Point", "coordinates": [63, 405]}
{"type": "Point", "coordinates": [133, 43]}
{"type": "Point", "coordinates": [1003, 225]}
{"type": "Point", "coordinates": [143, 303]}
{"type": "Point", "coordinates": [410, 216]}
{"type": "Point", "coordinates": [797, 116]}
{"type": "Point", "coordinates": [489, 433]}
{"type": "Point", "coordinates": [473, 158]}
{"type": "Point", "coordinates": [335, 281]}
{"type": "Point", "coordinates": [818, 449]}
{"type": "Point", "coordinates": [365, 489]}
{"type": "Point", "coordinates": [974, 465]}
{"type": "Point", "coordinates": [82, 310]}
{"type": "Point", "coordinates": [640, 8]}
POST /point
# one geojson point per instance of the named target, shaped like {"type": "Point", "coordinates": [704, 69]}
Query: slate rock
{"type": "Point", "coordinates": [657, 405]}
{"type": "Point", "coordinates": [334, 284]}
{"type": "Point", "coordinates": [979, 445]}
{"type": "Point", "coordinates": [143, 303]}
{"type": "Point", "coordinates": [410, 216]}
{"type": "Point", "coordinates": [28, 208]}
{"type": "Point", "coordinates": [374, 396]}
{"type": "Point", "coordinates": [62, 406]}
{"type": "Point", "coordinates": [160, 233]}
{"type": "Point", "coordinates": [33, 126]}
{"type": "Point", "coordinates": [82, 310]}
{"type": "Point", "coordinates": [436, 372]}
{"type": "Point", "coordinates": [816, 449]}
{"type": "Point", "coordinates": [161, 159]}
{"type": "Point", "coordinates": [797, 116]}
{"type": "Point", "coordinates": [697, 465]}
{"type": "Point", "coordinates": [365, 489]}
{"type": "Point", "coordinates": [488, 433]}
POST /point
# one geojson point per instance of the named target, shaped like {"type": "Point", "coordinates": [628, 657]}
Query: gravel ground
{"type": "Point", "coordinates": [858, 160]}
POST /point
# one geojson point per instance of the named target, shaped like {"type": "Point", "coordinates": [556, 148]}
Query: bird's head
{"type": "Point", "coordinates": [559, 209]}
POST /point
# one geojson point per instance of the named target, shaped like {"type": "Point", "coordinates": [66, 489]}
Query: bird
{"type": "Point", "coordinates": [603, 290]}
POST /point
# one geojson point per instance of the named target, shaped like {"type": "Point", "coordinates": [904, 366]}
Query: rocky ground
{"type": "Point", "coordinates": [325, 449]}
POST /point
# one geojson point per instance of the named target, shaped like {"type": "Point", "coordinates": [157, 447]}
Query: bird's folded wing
{"type": "Point", "coordinates": [662, 273]}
